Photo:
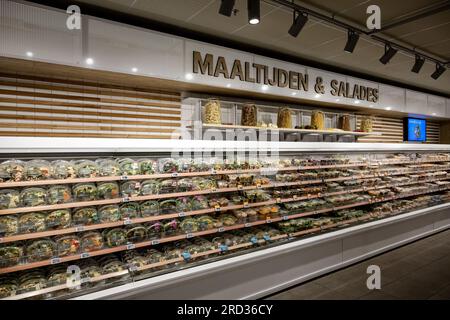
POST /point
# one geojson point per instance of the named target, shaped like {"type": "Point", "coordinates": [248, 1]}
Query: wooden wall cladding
{"type": "Point", "coordinates": [392, 130]}
{"type": "Point", "coordinates": [40, 106]}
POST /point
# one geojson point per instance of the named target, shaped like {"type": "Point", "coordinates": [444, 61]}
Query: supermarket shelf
{"type": "Point", "coordinates": [262, 171]}
{"type": "Point", "coordinates": [199, 212]}
{"type": "Point", "coordinates": [202, 233]}
{"type": "Point", "coordinates": [200, 192]}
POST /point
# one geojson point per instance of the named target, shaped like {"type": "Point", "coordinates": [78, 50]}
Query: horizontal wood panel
{"type": "Point", "coordinates": [82, 135]}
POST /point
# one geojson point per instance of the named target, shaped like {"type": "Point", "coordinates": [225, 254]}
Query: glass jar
{"type": "Point", "coordinates": [213, 113]}
{"type": "Point", "coordinates": [249, 115]}
{"type": "Point", "coordinates": [317, 120]}
{"type": "Point", "coordinates": [284, 119]}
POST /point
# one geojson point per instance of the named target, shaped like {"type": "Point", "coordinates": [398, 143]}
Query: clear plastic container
{"type": "Point", "coordinates": [136, 233]}
{"type": "Point", "coordinates": [63, 169]}
{"type": "Point", "coordinates": [85, 216]}
{"type": "Point", "coordinates": [33, 197]}
{"type": "Point", "coordinates": [9, 225]}
{"type": "Point", "coordinates": [130, 210]}
{"type": "Point", "coordinates": [129, 167]}
{"type": "Point", "coordinates": [38, 170]}
{"type": "Point", "coordinates": [108, 190]}
{"type": "Point", "coordinates": [150, 187]}
{"type": "Point", "coordinates": [12, 171]}
{"type": "Point", "coordinates": [147, 166]}
{"type": "Point", "coordinates": [168, 206]}
{"type": "Point", "coordinates": [8, 287]}
{"type": "Point", "coordinates": [58, 219]}
{"type": "Point", "coordinates": [10, 255]}
{"type": "Point", "coordinates": [149, 208]}
{"type": "Point", "coordinates": [108, 168]}
{"type": "Point", "coordinates": [168, 165]}
{"type": "Point", "coordinates": [32, 222]}
{"type": "Point", "coordinates": [198, 203]}
{"type": "Point", "coordinates": [41, 250]}
{"type": "Point", "coordinates": [109, 213]}
{"type": "Point", "coordinates": [168, 186]}
{"type": "Point", "coordinates": [59, 194]}
{"type": "Point", "coordinates": [68, 245]}
{"type": "Point", "coordinates": [86, 169]}
{"type": "Point", "coordinates": [115, 237]}
{"type": "Point", "coordinates": [85, 192]}
{"type": "Point", "coordinates": [9, 198]}
{"type": "Point", "coordinates": [318, 120]}
{"type": "Point", "coordinates": [130, 189]}
{"type": "Point", "coordinates": [91, 241]}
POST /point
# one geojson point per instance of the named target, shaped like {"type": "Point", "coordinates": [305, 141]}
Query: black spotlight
{"type": "Point", "coordinates": [389, 52]}
{"type": "Point", "coordinates": [300, 20]}
{"type": "Point", "coordinates": [226, 7]}
{"type": "Point", "coordinates": [418, 64]}
{"type": "Point", "coordinates": [254, 11]}
{"type": "Point", "coordinates": [352, 40]}
{"type": "Point", "coordinates": [440, 69]}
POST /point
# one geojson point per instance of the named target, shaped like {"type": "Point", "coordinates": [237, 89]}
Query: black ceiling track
{"type": "Point", "coordinates": [113, 15]}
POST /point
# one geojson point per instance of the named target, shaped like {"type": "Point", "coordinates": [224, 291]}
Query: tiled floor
{"type": "Point", "coordinates": [420, 270]}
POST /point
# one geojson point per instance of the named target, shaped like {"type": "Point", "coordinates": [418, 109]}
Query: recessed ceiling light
{"type": "Point", "coordinates": [30, 54]}
{"type": "Point", "coordinates": [89, 61]}
{"type": "Point", "coordinates": [189, 76]}
{"type": "Point", "coordinates": [265, 87]}
{"type": "Point", "coordinates": [134, 69]}
{"type": "Point", "coordinates": [317, 96]}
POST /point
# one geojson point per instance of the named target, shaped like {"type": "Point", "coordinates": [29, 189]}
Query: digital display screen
{"type": "Point", "coordinates": [415, 129]}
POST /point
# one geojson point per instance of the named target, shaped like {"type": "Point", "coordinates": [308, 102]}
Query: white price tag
{"type": "Point", "coordinates": [174, 174]}
{"type": "Point", "coordinates": [213, 171]}
{"type": "Point", "coordinates": [189, 235]}
{"type": "Point", "coordinates": [84, 255]}
{"type": "Point", "coordinates": [55, 260]}
{"type": "Point", "coordinates": [125, 199]}
{"type": "Point", "coordinates": [132, 267]}
{"type": "Point", "coordinates": [285, 218]}
{"type": "Point", "coordinates": [247, 225]}
{"type": "Point", "coordinates": [124, 178]}
{"type": "Point", "coordinates": [217, 208]}
{"type": "Point", "coordinates": [79, 229]}
{"type": "Point", "coordinates": [278, 200]}
{"type": "Point", "coordinates": [131, 246]}
{"type": "Point", "coordinates": [245, 204]}
{"type": "Point", "coordinates": [221, 229]}
{"type": "Point", "coordinates": [155, 242]}
{"type": "Point", "coordinates": [126, 222]}
{"type": "Point", "coordinates": [182, 214]}
{"type": "Point", "coordinates": [240, 187]}
{"type": "Point", "coordinates": [85, 280]}
{"type": "Point", "coordinates": [268, 221]}
{"type": "Point", "coordinates": [258, 186]}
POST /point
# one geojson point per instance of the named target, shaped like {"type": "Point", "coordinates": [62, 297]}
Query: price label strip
{"type": "Point", "coordinates": [245, 204]}
{"type": "Point", "coordinates": [131, 246]}
{"type": "Point", "coordinates": [124, 178]}
{"type": "Point", "coordinates": [79, 229]}
{"type": "Point", "coordinates": [174, 174]}
{"type": "Point", "coordinates": [155, 242]}
{"type": "Point", "coordinates": [182, 214]}
{"type": "Point", "coordinates": [126, 222]}
{"type": "Point", "coordinates": [189, 235]}
{"type": "Point", "coordinates": [186, 255]}
{"type": "Point", "coordinates": [55, 260]}
{"type": "Point", "coordinates": [222, 229]}
{"type": "Point", "coordinates": [84, 255]}
{"type": "Point", "coordinates": [223, 248]}
{"type": "Point", "coordinates": [254, 240]}
{"type": "Point", "coordinates": [217, 208]}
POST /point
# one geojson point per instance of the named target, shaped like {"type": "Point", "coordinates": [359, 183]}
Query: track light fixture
{"type": "Point", "coordinates": [440, 69]}
{"type": "Point", "coordinates": [352, 40]}
{"type": "Point", "coordinates": [418, 64]}
{"type": "Point", "coordinates": [226, 7]}
{"type": "Point", "coordinates": [254, 11]}
{"type": "Point", "coordinates": [299, 22]}
{"type": "Point", "coordinates": [389, 52]}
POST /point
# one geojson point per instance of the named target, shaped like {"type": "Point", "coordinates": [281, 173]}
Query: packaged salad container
{"type": "Point", "coordinates": [109, 213]}
{"type": "Point", "coordinates": [67, 245]}
{"type": "Point", "coordinates": [130, 189]}
{"type": "Point", "coordinates": [150, 208]}
{"type": "Point", "coordinates": [32, 222]}
{"type": "Point", "coordinates": [183, 204]}
{"type": "Point", "coordinates": [85, 192]}
{"type": "Point", "coordinates": [8, 287]}
{"type": "Point", "coordinates": [154, 230]}
{"type": "Point", "coordinates": [86, 169]}
{"type": "Point", "coordinates": [90, 269]}
{"type": "Point", "coordinates": [198, 203]}
{"type": "Point", "coordinates": [37, 170]}
{"type": "Point", "coordinates": [150, 187]}
{"type": "Point", "coordinates": [189, 225]}
{"type": "Point", "coordinates": [57, 276]}
{"type": "Point", "coordinates": [207, 222]}
{"type": "Point", "coordinates": [168, 206]}
{"type": "Point", "coordinates": [10, 255]}
{"type": "Point", "coordinates": [34, 283]}
{"type": "Point", "coordinates": [32, 197]}
{"type": "Point", "coordinates": [115, 237]}
{"type": "Point", "coordinates": [108, 190]}
{"type": "Point", "coordinates": [63, 169]}
{"type": "Point", "coordinates": [168, 186]}
{"type": "Point", "coordinates": [130, 210]}
{"type": "Point", "coordinates": [91, 241]}
{"type": "Point", "coordinates": [136, 233]}
{"type": "Point", "coordinates": [9, 225]}
{"type": "Point", "coordinates": [170, 227]}
{"type": "Point", "coordinates": [108, 168]}
{"type": "Point", "coordinates": [12, 171]}
{"type": "Point", "coordinates": [9, 198]}
{"type": "Point", "coordinates": [58, 219]}
{"type": "Point", "coordinates": [168, 165]}
{"type": "Point", "coordinates": [185, 184]}
{"type": "Point", "coordinates": [41, 249]}
{"type": "Point", "coordinates": [147, 166]}
{"type": "Point", "coordinates": [59, 194]}
{"type": "Point", "coordinates": [153, 256]}
{"type": "Point", "coordinates": [113, 266]}
{"type": "Point", "coordinates": [129, 167]}
{"type": "Point", "coordinates": [85, 216]}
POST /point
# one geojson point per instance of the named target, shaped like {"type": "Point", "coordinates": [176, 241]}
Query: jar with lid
{"type": "Point", "coordinates": [249, 115]}
{"type": "Point", "coordinates": [318, 120]}
{"type": "Point", "coordinates": [344, 122]}
{"type": "Point", "coordinates": [213, 114]}
{"type": "Point", "coordinates": [284, 119]}
{"type": "Point", "coordinates": [366, 124]}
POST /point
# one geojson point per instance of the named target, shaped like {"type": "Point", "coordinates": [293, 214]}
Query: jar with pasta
{"type": "Point", "coordinates": [318, 120]}
{"type": "Point", "coordinates": [366, 124]}
{"type": "Point", "coordinates": [213, 112]}
{"type": "Point", "coordinates": [284, 119]}
{"type": "Point", "coordinates": [249, 115]}
{"type": "Point", "coordinates": [344, 122]}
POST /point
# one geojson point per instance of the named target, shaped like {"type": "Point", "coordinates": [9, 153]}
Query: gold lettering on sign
{"type": "Point", "coordinates": [237, 71]}
{"type": "Point", "coordinates": [221, 68]}
{"type": "Point", "coordinates": [203, 65]}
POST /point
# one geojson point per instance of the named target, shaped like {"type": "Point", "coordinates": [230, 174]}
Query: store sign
{"type": "Point", "coordinates": [218, 67]}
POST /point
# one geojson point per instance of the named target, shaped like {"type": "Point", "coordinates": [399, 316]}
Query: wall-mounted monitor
{"type": "Point", "coordinates": [414, 129]}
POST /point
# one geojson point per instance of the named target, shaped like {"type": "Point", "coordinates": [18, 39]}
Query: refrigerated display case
{"type": "Point", "coordinates": [194, 226]}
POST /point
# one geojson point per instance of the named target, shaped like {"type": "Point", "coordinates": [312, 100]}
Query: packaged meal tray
{"type": "Point", "coordinates": [153, 256]}
{"type": "Point", "coordinates": [57, 275]}
{"type": "Point", "coordinates": [108, 168]}
{"type": "Point", "coordinates": [32, 222]}
{"type": "Point", "coordinates": [85, 216]}
{"type": "Point", "coordinates": [136, 233]}
{"type": "Point", "coordinates": [257, 195]}
{"type": "Point", "coordinates": [198, 203]}
{"type": "Point", "coordinates": [170, 227]}
{"type": "Point", "coordinates": [115, 237]}
{"type": "Point", "coordinates": [8, 287]}
{"type": "Point", "coordinates": [218, 201]}
{"type": "Point", "coordinates": [67, 245]}
{"type": "Point", "coordinates": [168, 186]}
{"type": "Point", "coordinates": [227, 220]}
{"type": "Point", "coordinates": [86, 169]}
{"type": "Point", "coordinates": [169, 206]}
{"type": "Point", "coordinates": [129, 167]}
{"type": "Point", "coordinates": [32, 197]}
{"type": "Point", "coordinates": [58, 219]}
{"type": "Point", "coordinates": [192, 249]}
{"type": "Point", "coordinates": [108, 190]}
{"type": "Point", "coordinates": [12, 171]}
{"type": "Point", "coordinates": [63, 169]}
{"type": "Point", "coordinates": [59, 194]}
{"type": "Point", "coordinates": [149, 208]}
{"type": "Point", "coordinates": [206, 222]}
{"type": "Point", "coordinates": [91, 241]}
{"type": "Point", "coordinates": [113, 266]}
{"type": "Point", "coordinates": [41, 249]}
{"type": "Point", "coordinates": [35, 283]}
{"type": "Point", "coordinates": [109, 213]}
{"type": "Point", "coordinates": [150, 187]}
{"type": "Point", "coordinates": [183, 204]}
{"type": "Point", "coordinates": [9, 198]}
{"type": "Point", "coordinates": [203, 183]}
{"type": "Point", "coordinates": [10, 255]}
{"type": "Point", "coordinates": [154, 230]}
{"type": "Point", "coordinates": [37, 170]}
{"type": "Point", "coordinates": [189, 225]}
{"type": "Point", "coordinates": [186, 184]}
{"type": "Point", "coordinates": [147, 166]}
{"type": "Point", "coordinates": [199, 165]}
{"type": "Point", "coordinates": [9, 225]}
{"type": "Point", "coordinates": [130, 210]}
{"type": "Point", "coordinates": [132, 258]}
{"type": "Point", "coordinates": [85, 192]}
{"type": "Point", "coordinates": [168, 165]}
{"type": "Point", "coordinates": [130, 189]}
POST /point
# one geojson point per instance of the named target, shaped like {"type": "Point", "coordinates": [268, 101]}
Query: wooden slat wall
{"type": "Point", "coordinates": [40, 106]}
{"type": "Point", "coordinates": [392, 130]}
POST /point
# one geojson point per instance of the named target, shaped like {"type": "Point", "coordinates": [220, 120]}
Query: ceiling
{"type": "Point", "coordinates": [318, 41]}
